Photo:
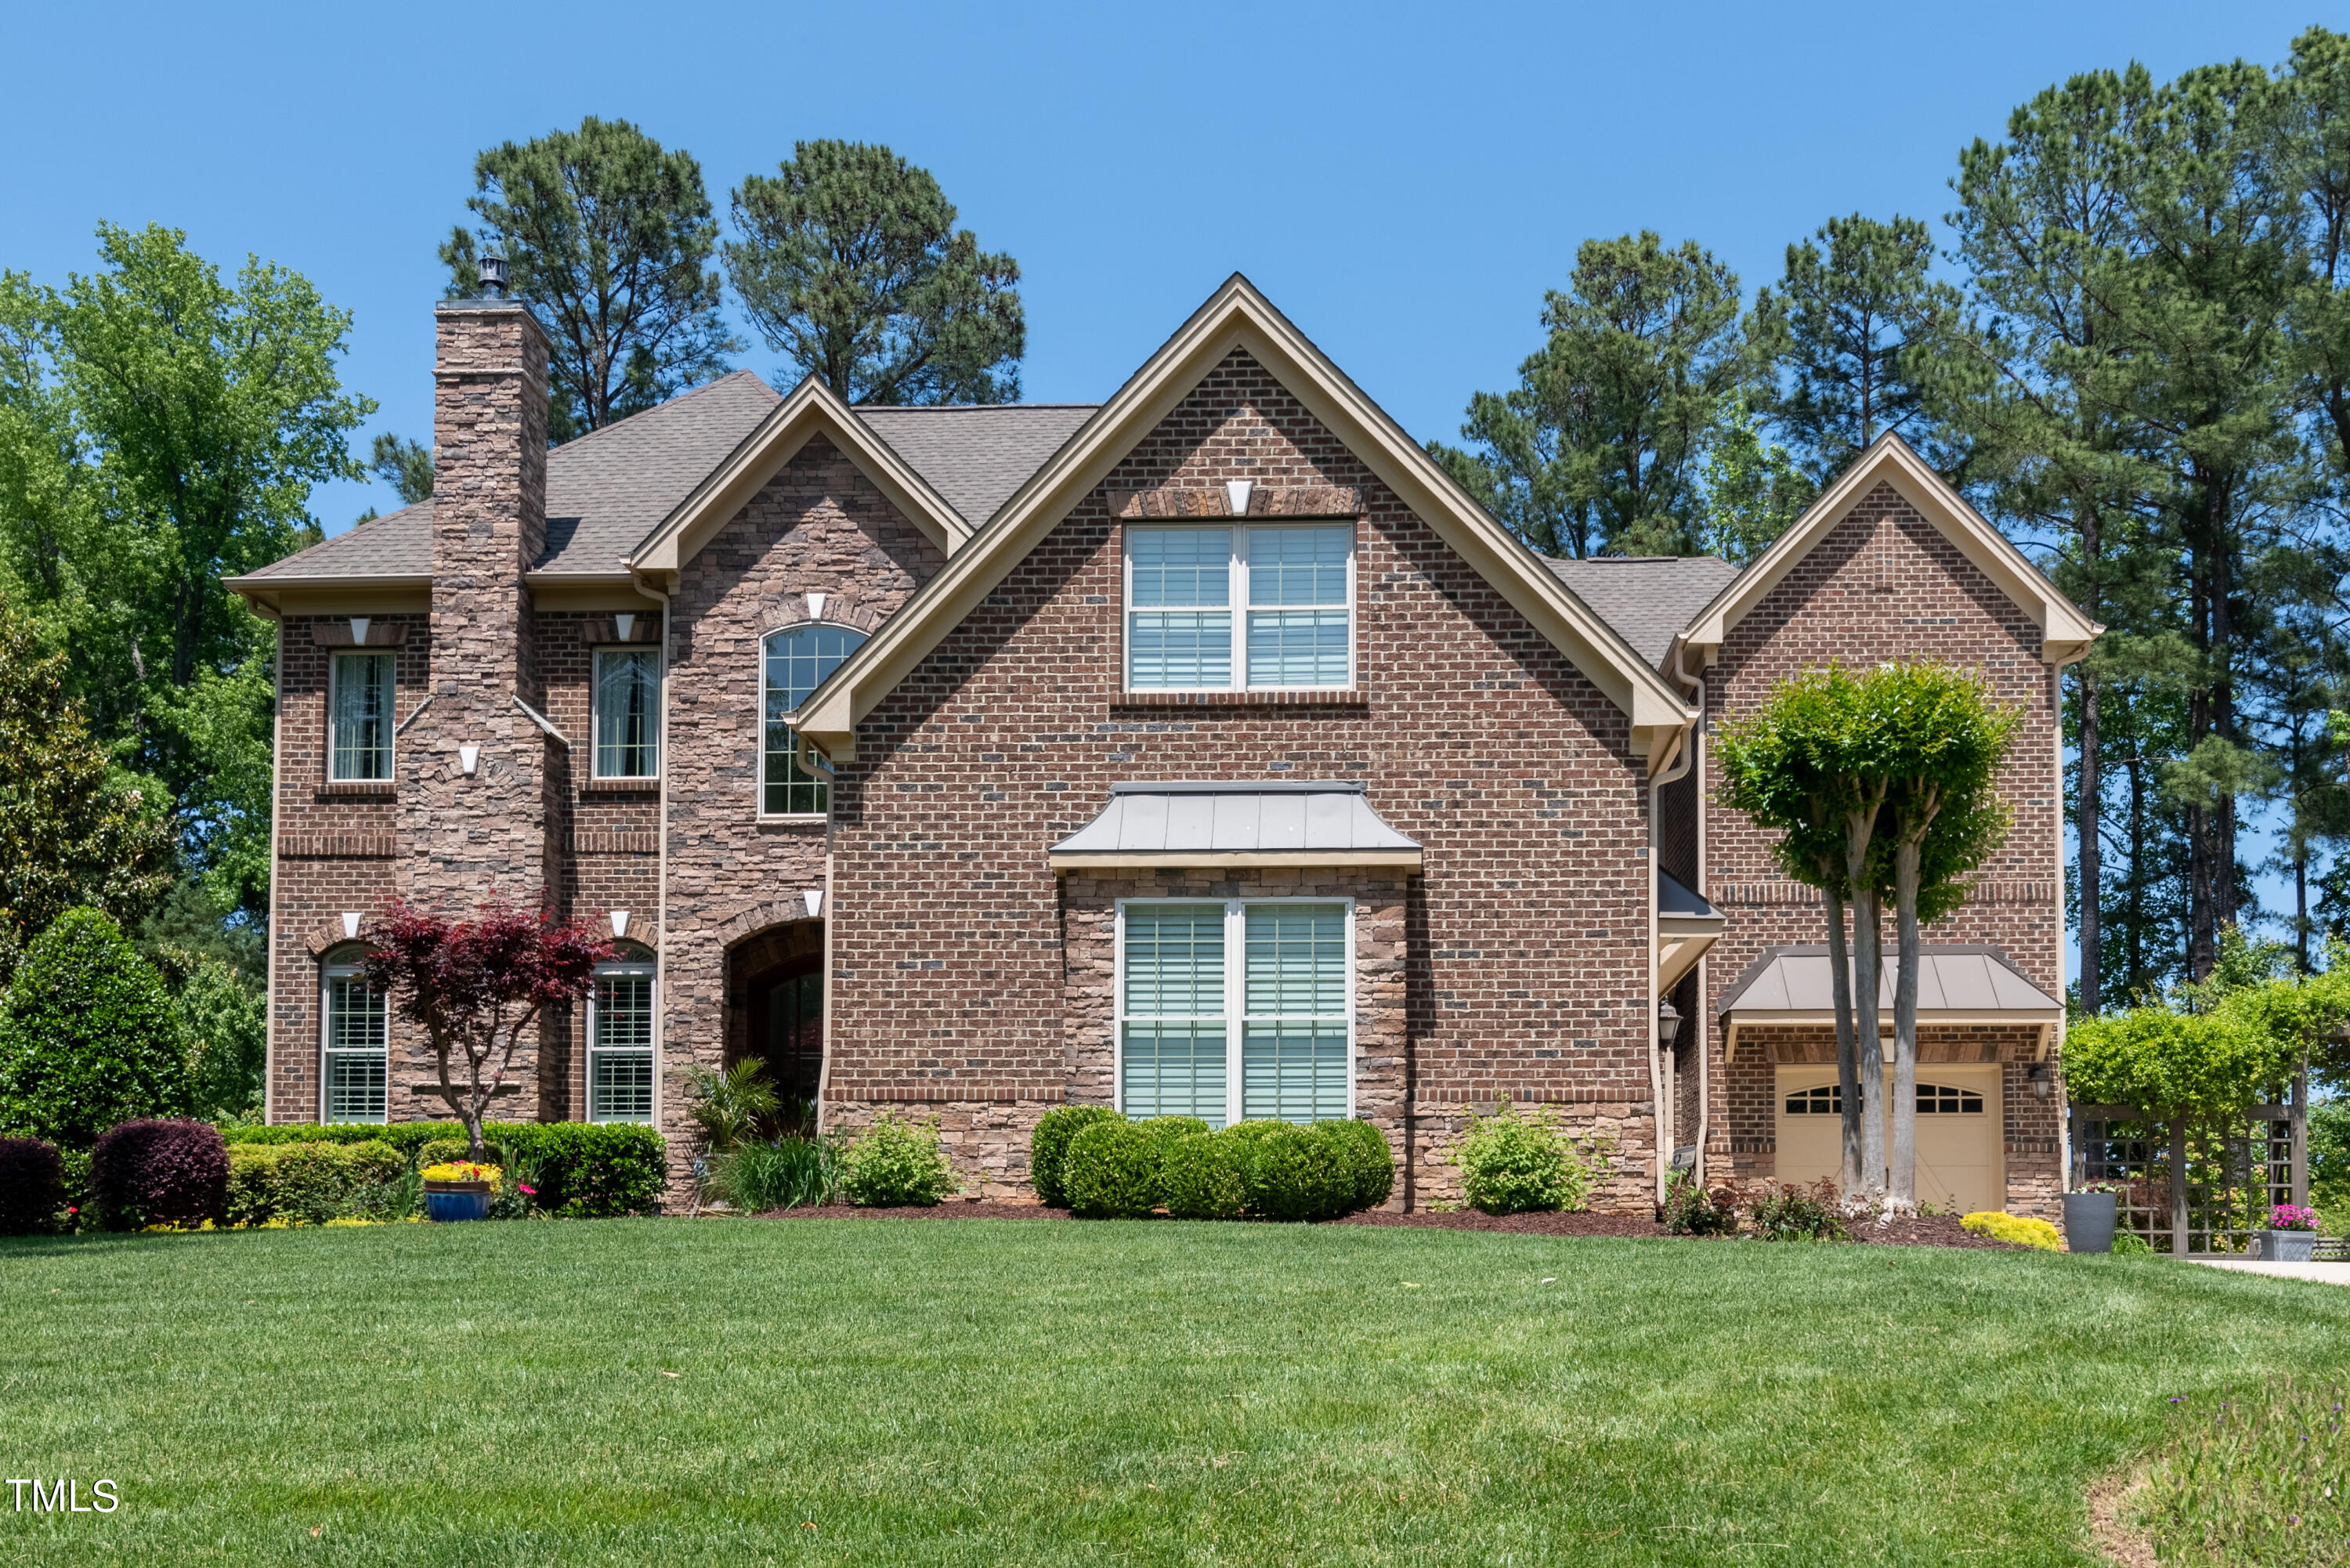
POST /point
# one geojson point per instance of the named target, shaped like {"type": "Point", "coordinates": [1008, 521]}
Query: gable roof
{"type": "Point", "coordinates": [2065, 632]}
{"type": "Point", "coordinates": [1646, 599]}
{"type": "Point", "coordinates": [809, 410]}
{"type": "Point", "coordinates": [1236, 317]}
{"type": "Point", "coordinates": [976, 454]}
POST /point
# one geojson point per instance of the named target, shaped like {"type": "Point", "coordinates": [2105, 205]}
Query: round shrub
{"type": "Point", "coordinates": [1291, 1172]}
{"type": "Point", "coordinates": [159, 1173]}
{"type": "Point", "coordinates": [897, 1163]}
{"type": "Point", "coordinates": [88, 1037]}
{"type": "Point", "coordinates": [1201, 1178]}
{"type": "Point", "coordinates": [1049, 1147]}
{"type": "Point", "coordinates": [1368, 1158]}
{"type": "Point", "coordinates": [1512, 1164]}
{"type": "Point", "coordinates": [2016, 1230]}
{"type": "Point", "coordinates": [1111, 1170]}
{"type": "Point", "coordinates": [32, 1186]}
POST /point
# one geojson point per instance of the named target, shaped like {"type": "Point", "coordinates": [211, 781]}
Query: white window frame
{"type": "Point", "coordinates": [328, 973]}
{"type": "Point", "coordinates": [596, 710]}
{"type": "Point", "coordinates": [335, 664]}
{"type": "Point", "coordinates": [1237, 592]}
{"type": "Point", "coordinates": [759, 684]}
{"type": "Point", "coordinates": [1235, 993]}
{"type": "Point", "coordinates": [650, 970]}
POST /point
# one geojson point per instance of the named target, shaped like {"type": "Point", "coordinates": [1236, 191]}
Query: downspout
{"type": "Point", "coordinates": [276, 823]}
{"type": "Point", "coordinates": [661, 950]}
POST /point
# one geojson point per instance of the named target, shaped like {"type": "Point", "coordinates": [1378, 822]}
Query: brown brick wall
{"type": "Point", "coordinates": [1885, 583]}
{"type": "Point", "coordinates": [1524, 942]}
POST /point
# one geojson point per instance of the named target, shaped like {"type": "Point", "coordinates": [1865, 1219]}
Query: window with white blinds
{"type": "Point", "coordinates": [357, 1042]}
{"type": "Point", "coordinates": [620, 1044]}
{"type": "Point", "coordinates": [1236, 1010]}
{"type": "Point", "coordinates": [1268, 607]}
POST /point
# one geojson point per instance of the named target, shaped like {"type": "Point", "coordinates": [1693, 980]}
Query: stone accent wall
{"type": "Point", "coordinates": [1882, 584]}
{"type": "Point", "coordinates": [820, 526]}
{"type": "Point", "coordinates": [1524, 944]}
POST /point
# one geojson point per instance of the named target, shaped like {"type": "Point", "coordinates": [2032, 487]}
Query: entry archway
{"type": "Point", "coordinates": [775, 996]}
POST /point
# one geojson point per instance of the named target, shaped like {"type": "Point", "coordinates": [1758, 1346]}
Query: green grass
{"type": "Point", "coordinates": [2258, 1480]}
{"type": "Point", "coordinates": [1064, 1392]}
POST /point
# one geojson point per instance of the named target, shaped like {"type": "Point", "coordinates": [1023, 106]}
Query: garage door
{"type": "Point", "coordinates": [1957, 1133]}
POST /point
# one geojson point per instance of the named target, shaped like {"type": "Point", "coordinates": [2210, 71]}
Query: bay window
{"type": "Point", "coordinates": [1251, 608]}
{"type": "Point", "coordinates": [1237, 1010]}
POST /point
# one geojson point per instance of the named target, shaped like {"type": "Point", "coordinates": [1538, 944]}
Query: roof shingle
{"type": "Point", "coordinates": [1646, 599]}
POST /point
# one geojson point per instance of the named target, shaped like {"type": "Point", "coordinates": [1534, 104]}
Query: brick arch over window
{"type": "Point", "coordinates": [760, 918]}
{"type": "Point", "coordinates": [328, 934]}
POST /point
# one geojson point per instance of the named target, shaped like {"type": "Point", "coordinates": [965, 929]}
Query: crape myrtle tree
{"type": "Point", "coordinates": [609, 237]}
{"type": "Point", "coordinates": [1879, 786]}
{"type": "Point", "coordinates": [478, 987]}
{"type": "Point", "coordinates": [850, 263]}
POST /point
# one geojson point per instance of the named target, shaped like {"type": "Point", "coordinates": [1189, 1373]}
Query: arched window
{"type": "Point", "coordinates": [798, 658]}
{"type": "Point", "coordinates": [354, 1041]}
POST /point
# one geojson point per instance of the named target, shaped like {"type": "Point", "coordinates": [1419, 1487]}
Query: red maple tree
{"type": "Point", "coordinates": [476, 987]}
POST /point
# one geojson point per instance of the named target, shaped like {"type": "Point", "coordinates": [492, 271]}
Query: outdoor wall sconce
{"type": "Point", "coordinates": [1236, 496]}
{"type": "Point", "coordinates": [1668, 1023]}
{"type": "Point", "coordinates": [619, 922]}
{"type": "Point", "coordinates": [468, 759]}
{"type": "Point", "coordinates": [816, 605]}
{"type": "Point", "coordinates": [2042, 1079]}
{"type": "Point", "coordinates": [815, 897]}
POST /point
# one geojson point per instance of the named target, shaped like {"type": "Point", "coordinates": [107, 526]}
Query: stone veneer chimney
{"type": "Point", "coordinates": [463, 836]}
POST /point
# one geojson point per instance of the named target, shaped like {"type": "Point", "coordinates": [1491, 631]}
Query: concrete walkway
{"type": "Point", "coordinates": [2324, 1273]}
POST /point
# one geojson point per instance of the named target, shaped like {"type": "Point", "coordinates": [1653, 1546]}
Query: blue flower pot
{"type": "Point", "coordinates": [457, 1200]}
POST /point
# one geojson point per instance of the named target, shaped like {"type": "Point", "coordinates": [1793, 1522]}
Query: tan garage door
{"type": "Point", "coordinates": [1957, 1133]}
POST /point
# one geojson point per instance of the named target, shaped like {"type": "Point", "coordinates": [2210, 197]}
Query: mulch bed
{"type": "Point", "coordinates": [1937, 1230]}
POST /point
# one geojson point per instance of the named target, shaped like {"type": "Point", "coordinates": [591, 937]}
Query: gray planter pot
{"type": "Point", "coordinates": [2089, 1221]}
{"type": "Point", "coordinates": [2287, 1246]}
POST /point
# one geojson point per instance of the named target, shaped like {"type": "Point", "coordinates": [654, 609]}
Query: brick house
{"type": "Point", "coordinates": [1204, 750]}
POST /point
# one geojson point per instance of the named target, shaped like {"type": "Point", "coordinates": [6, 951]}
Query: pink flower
{"type": "Point", "coordinates": [528, 1190]}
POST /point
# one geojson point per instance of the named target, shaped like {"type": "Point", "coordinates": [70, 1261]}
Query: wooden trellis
{"type": "Point", "coordinates": [2189, 1187]}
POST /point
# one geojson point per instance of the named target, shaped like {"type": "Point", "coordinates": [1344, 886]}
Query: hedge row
{"type": "Point", "coordinates": [582, 1170]}
{"type": "Point", "coordinates": [1104, 1165]}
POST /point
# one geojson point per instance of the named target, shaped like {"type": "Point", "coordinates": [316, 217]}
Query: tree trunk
{"type": "Point", "coordinates": [1901, 1183]}
{"type": "Point", "coordinates": [2090, 816]}
{"type": "Point", "coordinates": [1868, 1041]}
{"type": "Point", "coordinates": [1847, 1063]}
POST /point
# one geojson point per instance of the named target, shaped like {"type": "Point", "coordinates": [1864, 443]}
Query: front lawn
{"type": "Point", "coordinates": [993, 1392]}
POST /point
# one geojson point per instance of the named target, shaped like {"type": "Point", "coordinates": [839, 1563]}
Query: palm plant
{"type": "Point", "coordinates": [730, 1101]}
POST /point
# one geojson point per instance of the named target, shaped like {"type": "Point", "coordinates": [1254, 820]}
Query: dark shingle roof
{"type": "Point", "coordinates": [1646, 599]}
{"type": "Point", "coordinates": [609, 489]}
{"type": "Point", "coordinates": [976, 455]}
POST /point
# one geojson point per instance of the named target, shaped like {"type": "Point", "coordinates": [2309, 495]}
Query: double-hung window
{"type": "Point", "coordinates": [620, 1043]}
{"type": "Point", "coordinates": [1261, 607]}
{"type": "Point", "coordinates": [1238, 1010]}
{"type": "Point", "coordinates": [628, 713]}
{"type": "Point", "coordinates": [357, 1046]}
{"type": "Point", "coordinates": [359, 718]}
{"type": "Point", "coordinates": [796, 661]}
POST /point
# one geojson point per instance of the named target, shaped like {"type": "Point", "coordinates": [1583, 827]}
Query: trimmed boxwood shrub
{"type": "Point", "coordinates": [31, 1187]}
{"type": "Point", "coordinates": [88, 1037]}
{"type": "Point", "coordinates": [583, 1170]}
{"type": "Point", "coordinates": [1199, 1178]}
{"type": "Point", "coordinates": [1368, 1158]}
{"type": "Point", "coordinates": [898, 1163]}
{"type": "Point", "coordinates": [1111, 1169]}
{"type": "Point", "coordinates": [1048, 1146]}
{"type": "Point", "coordinates": [311, 1183]}
{"type": "Point", "coordinates": [156, 1172]}
{"type": "Point", "coordinates": [1293, 1172]}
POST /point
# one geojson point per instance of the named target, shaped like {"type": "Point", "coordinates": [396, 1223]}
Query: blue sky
{"type": "Point", "coordinates": [1404, 181]}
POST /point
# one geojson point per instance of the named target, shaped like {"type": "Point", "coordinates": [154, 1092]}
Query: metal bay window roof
{"type": "Point", "coordinates": [1257, 823]}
